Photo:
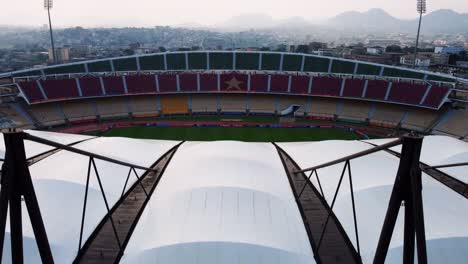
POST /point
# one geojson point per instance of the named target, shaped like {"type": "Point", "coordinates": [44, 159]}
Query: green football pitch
{"type": "Point", "coordinates": [249, 134]}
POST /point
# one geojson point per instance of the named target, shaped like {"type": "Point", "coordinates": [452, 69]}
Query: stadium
{"type": "Point", "coordinates": [233, 157]}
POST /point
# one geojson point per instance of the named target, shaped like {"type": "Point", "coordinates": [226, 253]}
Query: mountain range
{"type": "Point", "coordinates": [437, 22]}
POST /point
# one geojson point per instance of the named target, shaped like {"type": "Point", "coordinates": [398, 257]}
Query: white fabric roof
{"type": "Point", "coordinates": [33, 148]}
{"type": "Point", "coordinates": [373, 177]}
{"type": "Point", "coordinates": [231, 202]}
{"type": "Point", "coordinates": [222, 202]}
{"type": "Point", "coordinates": [60, 183]}
{"type": "Point", "coordinates": [439, 150]}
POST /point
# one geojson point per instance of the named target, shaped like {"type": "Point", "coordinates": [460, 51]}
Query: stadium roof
{"type": "Point", "coordinates": [231, 202]}
{"type": "Point", "coordinates": [234, 60]}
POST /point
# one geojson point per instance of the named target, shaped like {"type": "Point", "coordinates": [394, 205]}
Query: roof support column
{"type": "Point", "coordinates": [17, 183]}
{"type": "Point", "coordinates": [407, 189]}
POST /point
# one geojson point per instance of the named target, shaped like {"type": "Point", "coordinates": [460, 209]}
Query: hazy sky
{"type": "Point", "coordinates": [172, 12]}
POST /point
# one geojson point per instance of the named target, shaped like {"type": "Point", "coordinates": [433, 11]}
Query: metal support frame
{"type": "Point", "coordinates": [346, 167]}
{"type": "Point", "coordinates": [407, 189]}
{"type": "Point", "coordinates": [17, 184]}
{"type": "Point", "coordinates": [132, 169]}
{"type": "Point", "coordinates": [93, 165]}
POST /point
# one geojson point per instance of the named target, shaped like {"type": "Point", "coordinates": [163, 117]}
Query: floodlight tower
{"type": "Point", "coordinates": [421, 8]}
{"type": "Point", "coordinates": [48, 4]}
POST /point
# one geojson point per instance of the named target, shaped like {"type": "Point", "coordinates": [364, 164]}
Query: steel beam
{"type": "Point", "coordinates": [17, 184]}
{"type": "Point", "coordinates": [407, 189]}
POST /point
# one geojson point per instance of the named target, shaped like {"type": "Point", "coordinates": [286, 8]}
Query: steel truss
{"type": "Point", "coordinates": [16, 184]}
{"type": "Point", "coordinates": [406, 191]}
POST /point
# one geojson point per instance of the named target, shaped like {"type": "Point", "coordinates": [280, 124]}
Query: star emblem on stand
{"type": "Point", "coordinates": [233, 84]}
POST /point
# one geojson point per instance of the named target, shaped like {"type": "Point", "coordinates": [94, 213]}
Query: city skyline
{"type": "Point", "coordinates": [138, 13]}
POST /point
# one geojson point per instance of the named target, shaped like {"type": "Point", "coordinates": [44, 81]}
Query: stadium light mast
{"type": "Point", "coordinates": [421, 8]}
{"type": "Point", "coordinates": [48, 4]}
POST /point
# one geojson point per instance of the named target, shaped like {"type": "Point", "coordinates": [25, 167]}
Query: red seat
{"type": "Point", "coordinates": [138, 84]}
{"type": "Point", "coordinates": [328, 86]}
{"type": "Point", "coordinates": [279, 83]}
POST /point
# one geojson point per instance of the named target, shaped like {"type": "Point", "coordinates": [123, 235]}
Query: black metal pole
{"type": "Point", "coordinates": [106, 203]}
{"type": "Point", "coordinates": [16, 181]}
{"type": "Point", "coordinates": [418, 212]}
{"type": "Point", "coordinates": [141, 184]}
{"type": "Point", "coordinates": [320, 185]}
{"type": "Point", "coordinates": [85, 201]}
{"type": "Point", "coordinates": [36, 220]}
{"type": "Point", "coordinates": [3, 210]}
{"type": "Point", "coordinates": [460, 164]}
{"type": "Point", "coordinates": [126, 182]}
{"type": "Point", "coordinates": [387, 228]}
{"type": "Point", "coordinates": [332, 205]}
{"type": "Point", "coordinates": [408, 244]}
{"type": "Point", "coordinates": [13, 176]}
{"type": "Point", "coordinates": [354, 208]}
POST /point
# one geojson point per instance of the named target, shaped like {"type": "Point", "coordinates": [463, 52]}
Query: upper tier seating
{"type": "Point", "coordinates": [188, 82]}
{"type": "Point", "coordinates": [31, 91]}
{"type": "Point", "coordinates": [279, 83]}
{"type": "Point", "coordinates": [353, 88]}
{"type": "Point", "coordinates": [208, 82]}
{"type": "Point", "coordinates": [423, 95]}
{"type": "Point", "coordinates": [60, 89]}
{"type": "Point", "coordinates": [167, 83]}
{"type": "Point", "coordinates": [259, 83]}
{"type": "Point", "coordinates": [233, 82]}
{"type": "Point", "coordinates": [376, 89]}
{"type": "Point", "coordinates": [300, 84]}
{"type": "Point", "coordinates": [140, 84]}
{"type": "Point", "coordinates": [403, 92]}
{"type": "Point", "coordinates": [91, 86]}
{"type": "Point", "coordinates": [327, 86]}
{"type": "Point", "coordinates": [435, 96]}
{"type": "Point", "coordinates": [114, 85]}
